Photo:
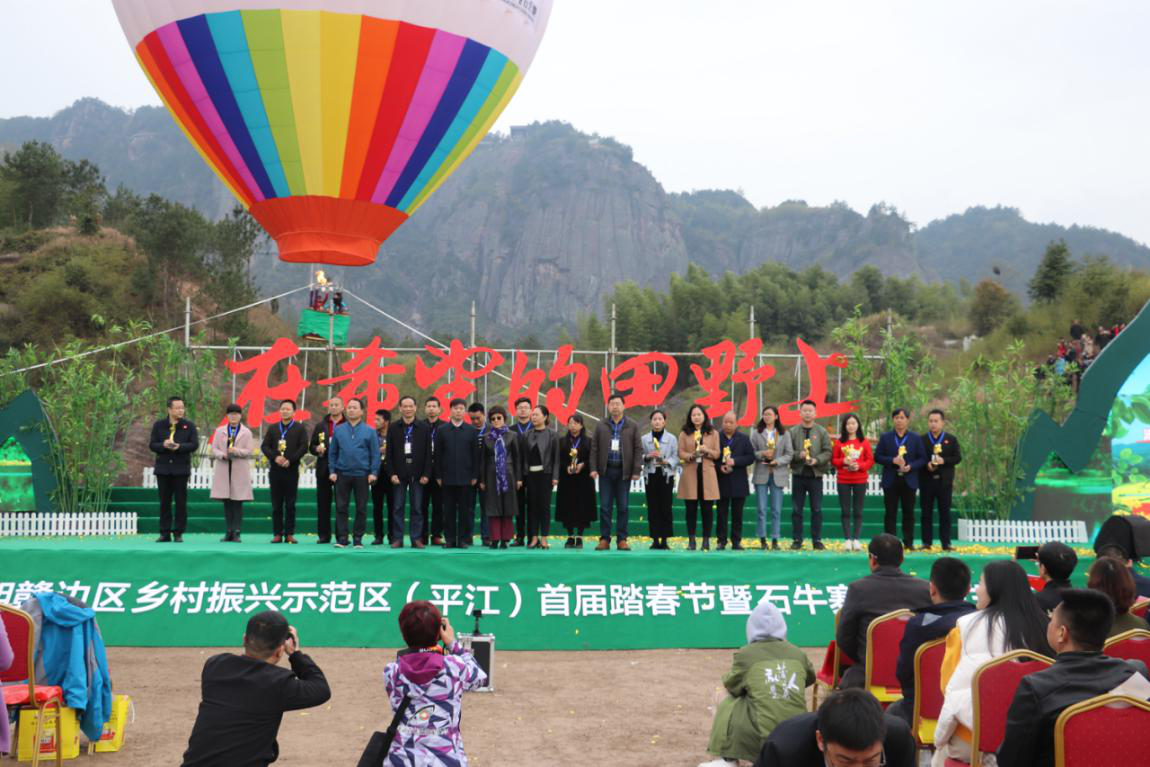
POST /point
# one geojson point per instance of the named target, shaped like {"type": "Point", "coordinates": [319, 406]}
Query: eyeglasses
{"type": "Point", "coordinates": [838, 760]}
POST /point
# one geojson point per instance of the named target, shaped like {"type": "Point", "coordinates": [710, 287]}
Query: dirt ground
{"type": "Point", "coordinates": [568, 709]}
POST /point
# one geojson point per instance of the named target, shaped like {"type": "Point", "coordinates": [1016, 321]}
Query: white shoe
{"type": "Point", "coordinates": [858, 545]}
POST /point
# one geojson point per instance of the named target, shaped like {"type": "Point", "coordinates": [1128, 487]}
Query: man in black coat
{"type": "Point", "coordinates": [1056, 562]}
{"type": "Point", "coordinates": [284, 445]}
{"type": "Point", "coordinates": [245, 696]}
{"type": "Point", "coordinates": [432, 508]}
{"type": "Point", "coordinates": [456, 469]}
{"type": "Point", "coordinates": [849, 728]}
{"type": "Point", "coordinates": [936, 479]}
{"type": "Point", "coordinates": [887, 588]}
{"type": "Point", "coordinates": [1077, 633]}
{"type": "Point", "coordinates": [737, 454]}
{"type": "Point", "coordinates": [173, 440]}
{"type": "Point", "coordinates": [409, 460]}
{"type": "Point", "coordinates": [324, 487]}
{"type": "Point", "coordinates": [381, 491]}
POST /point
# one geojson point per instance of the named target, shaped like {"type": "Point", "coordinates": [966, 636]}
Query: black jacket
{"type": "Point", "coordinates": [548, 443]}
{"type": "Point", "coordinates": [1043, 695]}
{"type": "Point", "coordinates": [178, 462]}
{"type": "Point", "coordinates": [951, 457]}
{"type": "Point", "coordinates": [242, 706]}
{"type": "Point", "coordinates": [399, 463]}
{"type": "Point", "coordinates": [927, 623]}
{"type": "Point", "coordinates": [297, 445]}
{"type": "Point", "coordinates": [792, 744]}
{"type": "Point", "coordinates": [1051, 596]}
{"type": "Point", "coordinates": [735, 484]}
{"type": "Point", "coordinates": [456, 461]}
{"type": "Point", "coordinates": [325, 429]}
{"type": "Point", "coordinates": [884, 590]}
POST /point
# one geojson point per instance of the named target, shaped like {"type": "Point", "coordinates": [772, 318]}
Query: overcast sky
{"type": "Point", "coordinates": [931, 106]}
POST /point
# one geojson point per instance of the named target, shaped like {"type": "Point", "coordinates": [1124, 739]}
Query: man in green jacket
{"type": "Point", "coordinates": [810, 460]}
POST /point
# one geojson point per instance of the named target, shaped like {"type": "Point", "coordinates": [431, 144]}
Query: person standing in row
{"type": "Point", "coordinates": [520, 428]}
{"type": "Point", "coordinates": [284, 445]}
{"type": "Point", "coordinates": [173, 440]}
{"type": "Point", "coordinates": [540, 476]}
{"type": "Point", "coordinates": [432, 508]}
{"type": "Point", "coordinates": [852, 460]}
{"type": "Point", "coordinates": [409, 459]}
{"type": "Point", "coordinates": [499, 480]}
{"type": "Point", "coordinates": [232, 448]}
{"type": "Point", "coordinates": [456, 470]}
{"type": "Point", "coordinates": [699, 483]}
{"type": "Point", "coordinates": [936, 480]}
{"type": "Point", "coordinates": [324, 489]}
{"type": "Point", "coordinates": [575, 507]}
{"type": "Point", "coordinates": [661, 464]}
{"type": "Point", "coordinates": [616, 463]}
{"type": "Point", "coordinates": [735, 455]}
{"type": "Point", "coordinates": [478, 416]}
{"type": "Point", "coordinates": [381, 495]}
{"type": "Point", "coordinates": [901, 455]}
{"type": "Point", "coordinates": [810, 460]}
{"type": "Point", "coordinates": [772, 475]}
{"type": "Point", "coordinates": [354, 461]}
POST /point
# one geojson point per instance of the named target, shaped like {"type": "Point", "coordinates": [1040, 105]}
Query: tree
{"type": "Point", "coordinates": [39, 181]}
{"type": "Point", "coordinates": [992, 305]}
{"type": "Point", "coordinates": [1053, 271]}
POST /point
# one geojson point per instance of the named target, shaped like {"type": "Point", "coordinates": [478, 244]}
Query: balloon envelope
{"type": "Point", "coordinates": [333, 120]}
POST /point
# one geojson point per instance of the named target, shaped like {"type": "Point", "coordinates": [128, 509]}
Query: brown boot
{"type": "Point", "coordinates": [604, 544]}
{"type": "Point", "coordinates": [623, 546]}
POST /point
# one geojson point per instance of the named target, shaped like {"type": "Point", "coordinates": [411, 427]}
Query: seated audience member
{"type": "Point", "coordinates": [1077, 632]}
{"type": "Point", "coordinates": [849, 729]}
{"type": "Point", "coordinates": [886, 588]}
{"type": "Point", "coordinates": [767, 684]}
{"type": "Point", "coordinates": [1141, 582]}
{"type": "Point", "coordinates": [949, 585]}
{"type": "Point", "coordinates": [434, 671]}
{"type": "Point", "coordinates": [1008, 618]}
{"type": "Point", "coordinates": [1111, 577]}
{"type": "Point", "coordinates": [1056, 561]}
{"type": "Point", "coordinates": [245, 696]}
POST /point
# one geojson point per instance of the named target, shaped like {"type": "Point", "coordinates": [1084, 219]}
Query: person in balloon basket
{"type": "Point", "coordinates": [354, 461]}
{"type": "Point", "coordinates": [232, 449]}
{"type": "Point", "coordinates": [616, 461]}
{"type": "Point", "coordinates": [500, 477]}
{"type": "Point", "coordinates": [324, 489]}
{"type": "Point", "coordinates": [284, 445]}
{"type": "Point", "coordinates": [173, 440]}
{"type": "Point", "coordinates": [409, 460]}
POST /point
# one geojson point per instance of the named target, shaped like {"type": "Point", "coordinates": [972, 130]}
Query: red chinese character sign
{"type": "Point", "coordinates": [364, 378]}
{"type": "Point", "coordinates": [528, 383]}
{"type": "Point", "coordinates": [452, 360]}
{"type": "Point", "coordinates": [258, 388]}
{"type": "Point", "coordinates": [722, 365]}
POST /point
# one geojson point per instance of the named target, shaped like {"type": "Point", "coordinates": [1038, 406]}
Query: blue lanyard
{"type": "Point", "coordinates": [724, 439]}
{"type": "Point", "coordinates": [232, 436]}
{"type": "Point", "coordinates": [900, 442]}
{"type": "Point", "coordinates": [407, 432]}
{"type": "Point", "coordinates": [933, 441]}
{"type": "Point", "coordinates": [283, 431]}
{"type": "Point", "coordinates": [615, 429]}
{"type": "Point", "coordinates": [522, 429]}
{"type": "Point", "coordinates": [575, 443]}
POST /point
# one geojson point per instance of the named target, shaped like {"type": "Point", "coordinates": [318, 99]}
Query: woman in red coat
{"type": "Point", "coordinates": [852, 459]}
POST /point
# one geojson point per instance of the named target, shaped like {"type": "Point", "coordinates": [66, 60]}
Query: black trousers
{"type": "Point", "coordinates": [930, 491]}
{"type": "Point", "coordinates": [324, 494]}
{"type": "Point", "coordinates": [381, 496]}
{"type": "Point", "coordinates": [432, 509]}
{"type": "Point", "coordinates": [521, 517]}
{"type": "Point", "coordinates": [735, 507]}
{"type": "Point", "coordinates": [899, 494]}
{"type": "Point", "coordinates": [234, 516]}
{"type": "Point", "coordinates": [538, 504]}
{"type": "Point", "coordinates": [802, 488]}
{"type": "Point", "coordinates": [344, 487]}
{"type": "Point", "coordinates": [283, 486]}
{"type": "Point", "coordinates": [851, 498]}
{"type": "Point", "coordinates": [692, 510]}
{"type": "Point", "coordinates": [458, 514]}
{"type": "Point", "coordinates": [659, 499]}
{"type": "Point", "coordinates": [173, 489]}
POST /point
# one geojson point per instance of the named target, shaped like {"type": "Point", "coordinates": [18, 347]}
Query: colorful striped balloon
{"type": "Point", "coordinates": [332, 121]}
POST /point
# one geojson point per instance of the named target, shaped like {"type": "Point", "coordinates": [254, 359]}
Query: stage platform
{"type": "Point", "coordinates": [200, 592]}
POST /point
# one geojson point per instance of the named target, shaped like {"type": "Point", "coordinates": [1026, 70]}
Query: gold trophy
{"type": "Point", "coordinates": [806, 449]}
{"type": "Point", "coordinates": [172, 433]}
{"type": "Point", "coordinates": [726, 453]}
{"type": "Point", "coordinates": [282, 446]}
{"type": "Point", "coordinates": [698, 446]}
{"type": "Point", "coordinates": [902, 451]}
{"type": "Point", "coordinates": [937, 457]}
{"type": "Point", "coordinates": [574, 453]}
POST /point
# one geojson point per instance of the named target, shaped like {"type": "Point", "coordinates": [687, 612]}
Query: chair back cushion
{"type": "Point", "coordinates": [1107, 731]}
{"type": "Point", "coordinates": [883, 637]}
{"type": "Point", "coordinates": [21, 635]}
{"type": "Point", "coordinates": [1130, 645]}
{"type": "Point", "coordinates": [993, 691]}
{"type": "Point", "coordinates": [928, 678]}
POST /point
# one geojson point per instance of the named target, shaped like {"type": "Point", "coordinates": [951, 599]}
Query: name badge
{"type": "Point", "coordinates": [407, 448]}
{"type": "Point", "coordinates": [615, 445]}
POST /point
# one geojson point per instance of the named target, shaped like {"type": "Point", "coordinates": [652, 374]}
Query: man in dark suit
{"type": "Point", "coordinates": [902, 456]}
{"type": "Point", "coordinates": [324, 488]}
{"type": "Point", "coordinates": [1141, 582]}
{"type": "Point", "coordinates": [1056, 562]}
{"type": "Point", "coordinates": [456, 470]}
{"type": "Point", "coordinates": [409, 460]}
{"type": "Point", "coordinates": [245, 696]}
{"type": "Point", "coordinates": [949, 585]}
{"type": "Point", "coordinates": [284, 445]}
{"type": "Point", "coordinates": [432, 501]}
{"type": "Point", "coordinates": [173, 440]}
{"type": "Point", "coordinates": [736, 455]}
{"type": "Point", "coordinates": [381, 492]}
{"type": "Point", "coordinates": [849, 728]}
{"type": "Point", "coordinates": [616, 461]}
{"type": "Point", "coordinates": [1077, 633]}
{"type": "Point", "coordinates": [936, 480]}
{"type": "Point", "coordinates": [887, 588]}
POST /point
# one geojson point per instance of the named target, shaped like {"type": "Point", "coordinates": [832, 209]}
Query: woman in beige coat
{"type": "Point", "coordinates": [698, 451]}
{"type": "Point", "coordinates": [232, 449]}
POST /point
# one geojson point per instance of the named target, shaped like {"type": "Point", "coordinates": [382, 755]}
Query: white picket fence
{"type": "Point", "coordinates": [24, 524]}
{"type": "Point", "coordinates": [1015, 531]}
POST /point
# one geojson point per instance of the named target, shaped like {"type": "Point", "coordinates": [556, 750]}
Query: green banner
{"type": "Point", "coordinates": [200, 593]}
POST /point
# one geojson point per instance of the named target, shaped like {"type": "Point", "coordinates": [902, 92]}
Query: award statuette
{"type": "Point", "coordinates": [902, 450]}
{"type": "Point", "coordinates": [574, 460]}
{"type": "Point", "coordinates": [698, 446]}
{"type": "Point", "coordinates": [806, 449]}
{"type": "Point", "coordinates": [936, 459]}
{"type": "Point", "coordinates": [282, 446]}
{"type": "Point", "coordinates": [726, 453]}
{"type": "Point", "coordinates": [172, 433]}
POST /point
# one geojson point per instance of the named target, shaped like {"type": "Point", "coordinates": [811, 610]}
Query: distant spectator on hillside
{"type": "Point", "coordinates": [1056, 562]}
{"type": "Point", "coordinates": [1077, 330]}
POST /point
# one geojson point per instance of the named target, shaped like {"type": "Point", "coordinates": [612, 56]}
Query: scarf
{"type": "Point", "coordinates": [501, 483]}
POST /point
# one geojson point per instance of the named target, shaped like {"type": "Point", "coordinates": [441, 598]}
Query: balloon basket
{"type": "Point", "coordinates": [324, 327]}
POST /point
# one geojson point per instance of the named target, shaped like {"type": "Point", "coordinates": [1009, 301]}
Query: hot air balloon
{"type": "Point", "coordinates": [332, 121]}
